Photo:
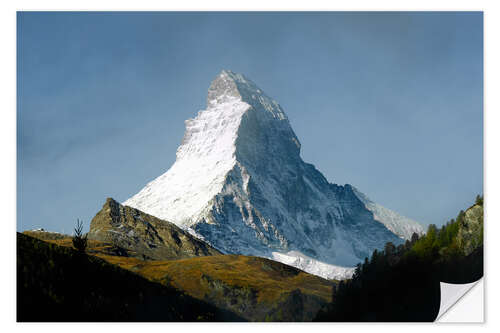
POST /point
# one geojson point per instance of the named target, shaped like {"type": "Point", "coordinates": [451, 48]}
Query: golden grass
{"type": "Point", "coordinates": [270, 279]}
{"type": "Point", "coordinates": [232, 270]}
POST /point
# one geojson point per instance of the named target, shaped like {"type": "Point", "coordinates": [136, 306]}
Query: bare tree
{"type": "Point", "coordinates": [79, 240]}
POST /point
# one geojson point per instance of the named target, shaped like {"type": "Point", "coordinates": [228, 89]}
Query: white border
{"type": "Point", "coordinates": [8, 149]}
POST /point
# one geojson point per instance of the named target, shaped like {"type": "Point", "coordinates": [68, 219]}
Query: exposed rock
{"type": "Point", "coordinates": [145, 235]}
{"type": "Point", "coordinates": [470, 232]}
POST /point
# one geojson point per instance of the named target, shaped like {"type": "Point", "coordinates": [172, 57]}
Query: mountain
{"type": "Point", "coordinates": [146, 236]}
{"type": "Point", "coordinates": [239, 183]}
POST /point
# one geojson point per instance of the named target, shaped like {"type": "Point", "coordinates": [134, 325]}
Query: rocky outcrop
{"type": "Point", "coordinates": [470, 230]}
{"type": "Point", "coordinates": [147, 236]}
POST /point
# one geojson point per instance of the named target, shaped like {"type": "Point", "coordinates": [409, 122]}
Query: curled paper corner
{"type": "Point", "coordinates": [456, 306]}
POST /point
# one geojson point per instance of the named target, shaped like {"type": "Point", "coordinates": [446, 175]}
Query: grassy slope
{"type": "Point", "coordinates": [56, 283]}
{"type": "Point", "coordinates": [254, 288]}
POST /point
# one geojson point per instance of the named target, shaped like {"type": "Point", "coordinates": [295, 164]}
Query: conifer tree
{"type": "Point", "coordinates": [79, 240]}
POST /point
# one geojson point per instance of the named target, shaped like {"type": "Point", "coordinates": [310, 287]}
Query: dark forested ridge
{"type": "Point", "coordinates": [56, 283]}
{"type": "Point", "coordinates": [402, 283]}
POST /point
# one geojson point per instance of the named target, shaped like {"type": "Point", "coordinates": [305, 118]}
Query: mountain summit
{"type": "Point", "coordinates": [240, 184]}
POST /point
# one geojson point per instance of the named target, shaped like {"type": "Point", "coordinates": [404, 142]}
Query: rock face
{"type": "Point", "coordinates": [470, 230]}
{"type": "Point", "coordinates": [144, 234]}
{"type": "Point", "coordinates": [240, 184]}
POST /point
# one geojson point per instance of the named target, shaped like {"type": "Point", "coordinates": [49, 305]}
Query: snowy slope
{"type": "Point", "coordinates": [204, 158]}
{"type": "Point", "coordinates": [400, 225]}
{"type": "Point", "coordinates": [240, 184]}
{"type": "Point", "coordinates": [307, 264]}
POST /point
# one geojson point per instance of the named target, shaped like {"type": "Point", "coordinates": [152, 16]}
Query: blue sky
{"type": "Point", "coordinates": [389, 102]}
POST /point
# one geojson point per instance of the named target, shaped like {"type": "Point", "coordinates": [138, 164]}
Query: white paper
{"type": "Point", "coordinates": [461, 303]}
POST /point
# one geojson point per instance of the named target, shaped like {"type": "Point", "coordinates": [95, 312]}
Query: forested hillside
{"type": "Point", "coordinates": [402, 283]}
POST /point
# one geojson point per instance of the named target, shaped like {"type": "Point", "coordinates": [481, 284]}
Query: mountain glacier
{"type": "Point", "coordinates": [239, 183]}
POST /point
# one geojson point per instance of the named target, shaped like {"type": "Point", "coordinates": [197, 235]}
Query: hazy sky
{"type": "Point", "coordinates": [388, 102]}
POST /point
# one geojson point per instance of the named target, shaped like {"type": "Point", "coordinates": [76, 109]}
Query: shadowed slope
{"type": "Point", "coordinates": [56, 283]}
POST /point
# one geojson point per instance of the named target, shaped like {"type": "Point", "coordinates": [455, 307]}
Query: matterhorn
{"type": "Point", "coordinates": [240, 184]}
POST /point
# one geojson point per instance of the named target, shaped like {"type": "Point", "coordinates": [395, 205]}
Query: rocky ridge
{"type": "Point", "coordinates": [145, 235]}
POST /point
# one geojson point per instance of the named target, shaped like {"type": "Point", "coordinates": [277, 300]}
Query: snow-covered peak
{"type": "Point", "coordinates": [229, 85]}
{"type": "Point", "coordinates": [239, 183]}
{"type": "Point", "coordinates": [222, 89]}
{"type": "Point", "coordinates": [240, 120]}
{"type": "Point", "coordinates": [240, 125]}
